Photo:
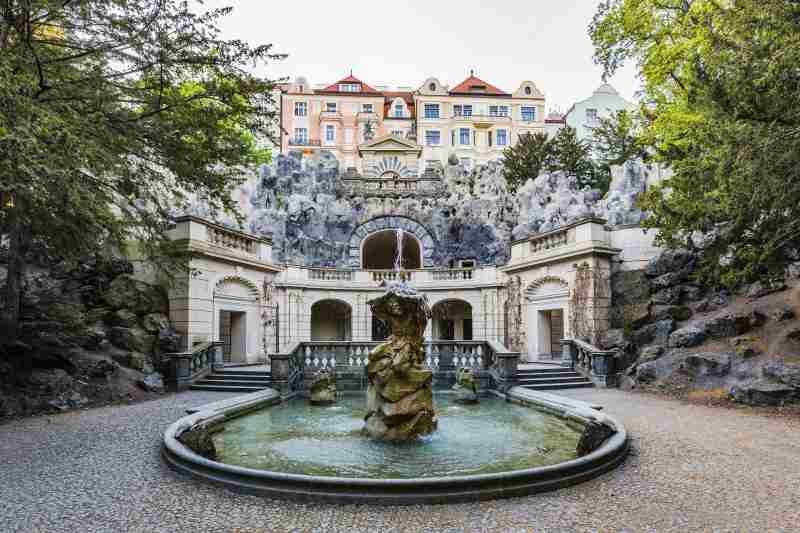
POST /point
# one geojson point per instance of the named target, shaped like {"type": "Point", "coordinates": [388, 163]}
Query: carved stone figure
{"type": "Point", "coordinates": [465, 388]}
{"type": "Point", "coordinates": [323, 389]}
{"type": "Point", "coordinates": [399, 392]}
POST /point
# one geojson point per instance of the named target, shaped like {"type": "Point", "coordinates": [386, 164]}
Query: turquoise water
{"type": "Point", "coordinates": [493, 436]}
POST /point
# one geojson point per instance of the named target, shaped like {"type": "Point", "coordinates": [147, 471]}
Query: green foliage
{"type": "Point", "coordinates": [526, 159]}
{"type": "Point", "coordinates": [572, 156]}
{"type": "Point", "coordinates": [115, 114]}
{"type": "Point", "coordinates": [563, 153]}
{"type": "Point", "coordinates": [721, 88]}
{"type": "Point", "coordinates": [615, 141]}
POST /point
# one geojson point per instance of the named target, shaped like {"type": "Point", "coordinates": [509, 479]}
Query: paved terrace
{"type": "Point", "coordinates": [693, 468]}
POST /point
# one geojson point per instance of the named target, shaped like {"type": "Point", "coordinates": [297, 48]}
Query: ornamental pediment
{"type": "Point", "coordinates": [390, 143]}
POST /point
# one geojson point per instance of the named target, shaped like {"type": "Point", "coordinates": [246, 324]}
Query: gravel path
{"type": "Point", "coordinates": [693, 468]}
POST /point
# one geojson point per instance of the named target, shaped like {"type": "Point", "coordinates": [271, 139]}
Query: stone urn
{"type": "Point", "coordinates": [465, 388]}
{"type": "Point", "coordinates": [399, 390]}
{"type": "Point", "coordinates": [323, 388]}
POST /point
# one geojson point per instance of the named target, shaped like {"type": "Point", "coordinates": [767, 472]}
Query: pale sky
{"type": "Point", "coordinates": [402, 42]}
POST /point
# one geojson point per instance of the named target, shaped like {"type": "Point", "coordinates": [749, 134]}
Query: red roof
{"type": "Point", "coordinates": [334, 88]}
{"type": "Point", "coordinates": [474, 85]}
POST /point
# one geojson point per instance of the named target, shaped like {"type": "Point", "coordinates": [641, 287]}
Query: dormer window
{"type": "Point", "coordinates": [432, 87]}
{"type": "Point", "coordinates": [350, 87]}
{"type": "Point", "coordinates": [480, 89]}
{"type": "Point", "coordinates": [528, 91]}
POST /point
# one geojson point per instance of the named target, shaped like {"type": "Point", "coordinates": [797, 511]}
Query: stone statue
{"type": "Point", "coordinates": [399, 392]}
{"type": "Point", "coordinates": [465, 388]}
{"type": "Point", "coordinates": [323, 389]}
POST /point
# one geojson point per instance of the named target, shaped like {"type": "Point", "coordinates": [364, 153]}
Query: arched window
{"type": "Point", "coordinates": [331, 320]}
{"type": "Point", "coordinates": [432, 87]}
{"type": "Point", "coordinates": [452, 320]}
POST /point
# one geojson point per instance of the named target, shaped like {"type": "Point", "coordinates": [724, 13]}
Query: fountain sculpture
{"type": "Point", "coordinates": [323, 388]}
{"type": "Point", "coordinates": [465, 388]}
{"type": "Point", "coordinates": [399, 390]}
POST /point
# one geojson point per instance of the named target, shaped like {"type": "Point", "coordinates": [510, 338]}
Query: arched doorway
{"type": "Point", "coordinates": [425, 241]}
{"type": "Point", "coordinates": [379, 251]}
{"type": "Point", "coordinates": [331, 320]}
{"type": "Point", "coordinates": [236, 305]}
{"type": "Point", "coordinates": [452, 321]}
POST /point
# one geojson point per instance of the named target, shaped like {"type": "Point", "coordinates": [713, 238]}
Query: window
{"type": "Point", "coordinates": [399, 110]}
{"type": "Point", "coordinates": [432, 87]}
{"type": "Point", "coordinates": [502, 137]}
{"type": "Point", "coordinates": [591, 116]}
{"type": "Point", "coordinates": [300, 135]}
{"type": "Point", "coordinates": [467, 263]}
{"type": "Point", "coordinates": [498, 110]}
{"type": "Point", "coordinates": [528, 91]}
{"type": "Point", "coordinates": [350, 87]}
{"type": "Point", "coordinates": [300, 109]}
{"type": "Point", "coordinates": [433, 137]}
{"type": "Point", "coordinates": [431, 110]}
{"type": "Point", "coordinates": [490, 138]}
{"type": "Point", "coordinates": [330, 133]}
{"type": "Point", "coordinates": [462, 110]}
{"type": "Point", "coordinates": [330, 107]}
{"type": "Point", "coordinates": [528, 114]}
{"type": "Point", "coordinates": [366, 108]}
{"type": "Point", "coordinates": [463, 136]}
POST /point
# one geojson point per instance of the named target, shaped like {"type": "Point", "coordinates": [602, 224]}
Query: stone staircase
{"type": "Point", "coordinates": [551, 377]}
{"type": "Point", "coordinates": [234, 379]}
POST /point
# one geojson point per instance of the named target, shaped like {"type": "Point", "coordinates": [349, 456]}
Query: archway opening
{"type": "Point", "coordinates": [452, 321]}
{"type": "Point", "coordinates": [331, 320]}
{"type": "Point", "coordinates": [380, 250]}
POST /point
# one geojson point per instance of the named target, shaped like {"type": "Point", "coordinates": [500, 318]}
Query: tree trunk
{"type": "Point", "coordinates": [12, 297]}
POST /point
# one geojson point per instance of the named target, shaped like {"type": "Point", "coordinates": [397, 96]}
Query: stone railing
{"type": "Point", "coordinates": [456, 354]}
{"type": "Point", "coordinates": [330, 274]}
{"type": "Point", "coordinates": [503, 364]}
{"type": "Point", "coordinates": [231, 240]}
{"type": "Point", "coordinates": [424, 186]}
{"type": "Point", "coordinates": [453, 274]}
{"type": "Point", "coordinates": [391, 275]}
{"type": "Point", "coordinates": [548, 241]}
{"type": "Point", "coordinates": [184, 368]}
{"type": "Point", "coordinates": [598, 365]}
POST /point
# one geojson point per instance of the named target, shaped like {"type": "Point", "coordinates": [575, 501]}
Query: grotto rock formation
{"type": "Point", "coordinates": [399, 393]}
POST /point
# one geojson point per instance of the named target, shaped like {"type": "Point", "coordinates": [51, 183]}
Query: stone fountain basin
{"type": "Point", "coordinates": [404, 491]}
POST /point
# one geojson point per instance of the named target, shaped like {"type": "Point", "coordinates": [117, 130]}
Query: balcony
{"type": "Point", "coordinates": [482, 120]}
{"type": "Point", "coordinates": [330, 116]}
{"type": "Point", "coordinates": [305, 142]}
{"type": "Point", "coordinates": [209, 238]}
{"type": "Point", "coordinates": [365, 116]}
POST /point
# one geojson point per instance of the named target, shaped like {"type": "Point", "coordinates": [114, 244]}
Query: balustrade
{"type": "Point", "coordinates": [181, 369]}
{"type": "Point", "coordinates": [231, 240]}
{"type": "Point", "coordinates": [596, 364]}
{"type": "Point", "coordinates": [329, 274]}
{"type": "Point", "coordinates": [453, 274]}
{"type": "Point", "coordinates": [548, 241]}
{"type": "Point", "coordinates": [391, 275]}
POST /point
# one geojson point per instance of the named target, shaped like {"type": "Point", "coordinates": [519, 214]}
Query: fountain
{"type": "Point", "coordinates": [399, 392]}
{"type": "Point", "coordinates": [519, 443]}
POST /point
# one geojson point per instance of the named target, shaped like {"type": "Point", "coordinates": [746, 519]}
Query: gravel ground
{"type": "Point", "coordinates": [692, 468]}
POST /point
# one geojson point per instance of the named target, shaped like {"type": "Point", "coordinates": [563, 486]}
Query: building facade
{"type": "Point", "coordinates": [586, 114]}
{"type": "Point", "coordinates": [474, 121]}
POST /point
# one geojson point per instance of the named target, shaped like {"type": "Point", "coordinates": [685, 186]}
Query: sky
{"type": "Point", "coordinates": [403, 42]}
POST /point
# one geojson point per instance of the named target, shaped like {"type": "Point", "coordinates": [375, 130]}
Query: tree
{"type": "Point", "coordinates": [721, 87]}
{"type": "Point", "coordinates": [572, 156]}
{"type": "Point", "coordinates": [113, 115]}
{"type": "Point", "coordinates": [526, 159]}
{"type": "Point", "coordinates": [615, 140]}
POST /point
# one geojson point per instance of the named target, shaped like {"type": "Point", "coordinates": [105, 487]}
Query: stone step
{"type": "Point", "coordinates": [235, 382]}
{"type": "Point", "coordinates": [239, 373]}
{"type": "Point", "coordinates": [557, 386]}
{"type": "Point", "coordinates": [536, 381]}
{"type": "Point", "coordinates": [555, 371]}
{"type": "Point", "coordinates": [226, 388]}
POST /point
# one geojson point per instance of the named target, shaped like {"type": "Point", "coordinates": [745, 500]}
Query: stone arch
{"type": "Point", "coordinates": [423, 236]}
{"type": "Point", "coordinates": [331, 319]}
{"type": "Point", "coordinates": [226, 286]}
{"type": "Point", "coordinates": [547, 287]}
